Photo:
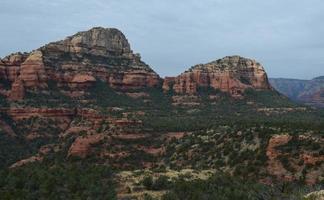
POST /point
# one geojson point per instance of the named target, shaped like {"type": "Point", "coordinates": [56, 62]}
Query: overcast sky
{"type": "Point", "coordinates": [286, 36]}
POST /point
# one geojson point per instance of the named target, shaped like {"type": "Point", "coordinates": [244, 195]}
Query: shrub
{"type": "Point", "coordinates": [162, 183]}
{"type": "Point", "coordinates": [147, 182]}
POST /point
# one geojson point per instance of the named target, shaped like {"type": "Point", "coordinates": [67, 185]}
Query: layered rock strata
{"type": "Point", "coordinates": [232, 74]}
{"type": "Point", "coordinates": [77, 62]}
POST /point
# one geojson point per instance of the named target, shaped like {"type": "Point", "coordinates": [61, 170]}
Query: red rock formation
{"type": "Point", "coordinates": [25, 113]}
{"type": "Point", "coordinates": [133, 79]}
{"type": "Point", "coordinates": [82, 81]}
{"type": "Point", "coordinates": [102, 53]}
{"type": "Point", "coordinates": [168, 83]}
{"type": "Point", "coordinates": [9, 71]}
{"type": "Point", "coordinates": [22, 70]}
{"type": "Point", "coordinates": [275, 167]}
{"type": "Point", "coordinates": [32, 71]}
{"type": "Point", "coordinates": [81, 147]}
{"type": "Point", "coordinates": [310, 159]}
{"type": "Point", "coordinates": [97, 41]}
{"type": "Point", "coordinates": [10, 66]}
{"type": "Point", "coordinates": [76, 63]}
{"type": "Point", "coordinates": [63, 115]}
{"type": "Point", "coordinates": [17, 90]}
{"type": "Point", "coordinates": [231, 74]}
{"type": "Point", "coordinates": [106, 54]}
{"type": "Point", "coordinates": [27, 161]}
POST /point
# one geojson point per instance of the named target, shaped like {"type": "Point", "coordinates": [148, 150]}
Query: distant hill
{"type": "Point", "coordinates": [310, 92]}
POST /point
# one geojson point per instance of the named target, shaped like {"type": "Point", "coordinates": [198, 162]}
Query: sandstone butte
{"type": "Point", "coordinates": [232, 74]}
{"type": "Point", "coordinates": [104, 53]}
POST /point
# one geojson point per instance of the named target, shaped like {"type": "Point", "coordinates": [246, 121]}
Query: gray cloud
{"type": "Point", "coordinates": [286, 36]}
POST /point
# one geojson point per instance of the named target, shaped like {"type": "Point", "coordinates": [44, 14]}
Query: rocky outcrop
{"type": "Point", "coordinates": [27, 161]}
{"type": "Point", "coordinates": [10, 66]}
{"type": "Point", "coordinates": [168, 83]}
{"type": "Point", "coordinates": [275, 167]}
{"type": "Point", "coordinates": [82, 81]}
{"type": "Point", "coordinates": [9, 71]}
{"type": "Point", "coordinates": [97, 41]}
{"type": "Point", "coordinates": [231, 74]}
{"type": "Point", "coordinates": [81, 147]}
{"type": "Point", "coordinates": [133, 79]}
{"type": "Point", "coordinates": [22, 71]}
{"type": "Point", "coordinates": [32, 71]}
{"type": "Point", "coordinates": [284, 164]}
{"type": "Point", "coordinates": [17, 90]}
{"type": "Point", "coordinates": [101, 53]}
{"type": "Point", "coordinates": [25, 113]}
{"type": "Point", "coordinates": [76, 63]}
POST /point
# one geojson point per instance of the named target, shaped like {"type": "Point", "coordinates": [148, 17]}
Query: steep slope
{"type": "Point", "coordinates": [305, 91]}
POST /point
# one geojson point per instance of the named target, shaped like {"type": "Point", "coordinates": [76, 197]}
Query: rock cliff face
{"type": "Point", "coordinates": [32, 71]}
{"type": "Point", "coordinates": [101, 53]}
{"type": "Point", "coordinates": [10, 65]}
{"type": "Point", "coordinates": [17, 90]}
{"type": "Point", "coordinates": [77, 62]}
{"type": "Point", "coordinates": [82, 145]}
{"type": "Point", "coordinates": [231, 74]}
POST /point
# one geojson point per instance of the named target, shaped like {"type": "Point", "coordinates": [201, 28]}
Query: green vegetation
{"type": "Point", "coordinates": [37, 181]}
{"type": "Point", "coordinates": [221, 186]}
{"type": "Point", "coordinates": [12, 149]}
{"type": "Point", "coordinates": [55, 98]}
{"type": "Point", "coordinates": [160, 183]}
{"type": "Point", "coordinates": [268, 98]}
{"type": "Point", "coordinates": [17, 147]}
{"type": "Point", "coordinates": [221, 133]}
{"type": "Point", "coordinates": [226, 187]}
{"type": "Point", "coordinates": [5, 84]}
{"type": "Point", "coordinates": [105, 96]}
